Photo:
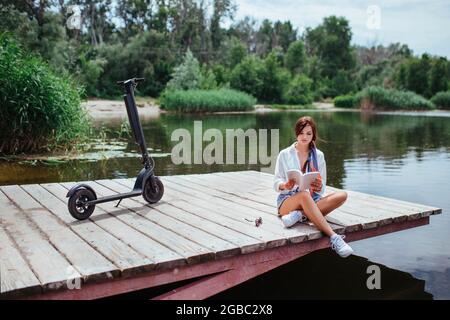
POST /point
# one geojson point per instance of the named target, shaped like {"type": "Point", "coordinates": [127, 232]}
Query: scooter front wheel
{"type": "Point", "coordinates": [150, 195]}
{"type": "Point", "coordinates": [77, 207]}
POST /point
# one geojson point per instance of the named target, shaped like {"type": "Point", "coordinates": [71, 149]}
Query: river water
{"type": "Point", "coordinates": [402, 156]}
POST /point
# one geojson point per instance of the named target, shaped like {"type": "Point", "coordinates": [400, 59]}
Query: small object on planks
{"type": "Point", "coordinates": [258, 221]}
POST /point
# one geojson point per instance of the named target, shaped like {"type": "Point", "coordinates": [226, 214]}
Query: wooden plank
{"type": "Point", "coordinates": [221, 215]}
{"type": "Point", "coordinates": [215, 209]}
{"type": "Point", "coordinates": [235, 193]}
{"type": "Point", "coordinates": [237, 198]}
{"type": "Point", "coordinates": [230, 188]}
{"type": "Point", "coordinates": [272, 222]}
{"type": "Point", "coordinates": [83, 258]}
{"type": "Point", "coordinates": [382, 214]}
{"type": "Point", "coordinates": [372, 209]}
{"type": "Point", "coordinates": [352, 215]}
{"type": "Point", "coordinates": [239, 212]}
{"type": "Point", "coordinates": [298, 233]}
{"type": "Point", "coordinates": [268, 212]}
{"type": "Point", "coordinates": [159, 256]}
{"type": "Point", "coordinates": [220, 247]}
{"type": "Point", "coordinates": [255, 183]}
{"type": "Point", "coordinates": [99, 249]}
{"type": "Point", "coordinates": [49, 266]}
{"type": "Point", "coordinates": [258, 181]}
{"type": "Point", "coordinates": [121, 285]}
{"type": "Point", "coordinates": [191, 251]}
{"type": "Point", "coordinates": [15, 274]}
{"type": "Point", "coordinates": [211, 285]}
{"type": "Point", "coordinates": [345, 219]}
{"type": "Point", "coordinates": [394, 204]}
{"type": "Point", "coordinates": [339, 222]}
{"type": "Point", "coordinates": [240, 240]}
{"type": "Point", "coordinates": [387, 210]}
{"type": "Point", "coordinates": [206, 190]}
{"type": "Point", "coordinates": [425, 210]}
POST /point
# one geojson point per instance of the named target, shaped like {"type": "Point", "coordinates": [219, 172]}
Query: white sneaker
{"type": "Point", "coordinates": [292, 218]}
{"type": "Point", "coordinates": [340, 246]}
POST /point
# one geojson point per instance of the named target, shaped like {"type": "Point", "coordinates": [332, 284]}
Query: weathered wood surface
{"type": "Point", "coordinates": [202, 218]}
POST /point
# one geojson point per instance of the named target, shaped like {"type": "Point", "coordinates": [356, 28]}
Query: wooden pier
{"type": "Point", "coordinates": [203, 229]}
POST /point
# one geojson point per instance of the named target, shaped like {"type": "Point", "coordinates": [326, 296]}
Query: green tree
{"type": "Point", "coordinates": [285, 34]}
{"type": "Point", "coordinates": [330, 41]}
{"type": "Point", "coordinates": [35, 9]}
{"type": "Point", "coordinates": [238, 52]}
{"type": "Point", "coordinates": [264, 38]}
{"type": "Point", "coordinates": [187, 75]}
{"type": "Point", "coordinates": [401, 76]}
{"type": "Point", "coordinates": [273, 79]}
{"type": "Point", "coordinates": [207, 79]}
{"type": "Point", "coordinates": [417, 77]}
{"type": "Point", "coordinates": [299, 91]}
{"type": "Point", "coordinates": [295, 57]}
{"type": "Point", "coordinates": [88, 73]}
{"type": "Point", "coordinates": [246, 76]}
{"type": "Point", "coordinates": [146, 55]}
{"type": "Point", "coordinates": [135, 15]}
{"type": "Point", "coordinates": [245, 30]}
{"type": "Point", "coordinates": [438, 76]}
{"type": "Point", "coordinates": [222, 75]}
{"type": "Point", "coordinates": [221, 9]}
{"type": "Point", "coordinates": [343, 83]}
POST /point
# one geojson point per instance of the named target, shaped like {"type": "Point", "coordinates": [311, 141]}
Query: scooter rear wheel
{"type": "Point", "coordinates": [150, 195]}
{"type": "Point", "coordinates": [77, 207]}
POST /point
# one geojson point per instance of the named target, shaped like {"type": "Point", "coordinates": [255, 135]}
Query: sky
{"type": "Point", "coordinates": [423, 25]}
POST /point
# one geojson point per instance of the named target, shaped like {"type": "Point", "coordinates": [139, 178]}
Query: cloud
{"type": "Point", "coordinates": [423, 25]}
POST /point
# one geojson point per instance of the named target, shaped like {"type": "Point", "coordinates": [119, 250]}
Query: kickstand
{"type": "Point", "coordinates": [118, 203]}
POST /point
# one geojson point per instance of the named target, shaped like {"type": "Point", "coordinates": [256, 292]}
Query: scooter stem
{"type": "Point", "coordinates": [135, 124]}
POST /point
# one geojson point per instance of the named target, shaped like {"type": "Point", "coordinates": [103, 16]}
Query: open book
{"type": "Point", "coordinates": [303, 180]}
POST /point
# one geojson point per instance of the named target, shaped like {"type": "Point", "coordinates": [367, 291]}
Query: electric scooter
{"type": "Point", "coordinates": [82, 197]}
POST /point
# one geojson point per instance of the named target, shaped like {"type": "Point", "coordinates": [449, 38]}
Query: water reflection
{"type": "Point", "coordinates": [399, 156]}
{"type": "Point", "coordinates": [324, 275]}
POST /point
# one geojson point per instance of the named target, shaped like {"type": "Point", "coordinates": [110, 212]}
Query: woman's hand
{"type": "Point", "coordinates": [316, 185]}
{"type": "Point", "coordinates": [288, 185]}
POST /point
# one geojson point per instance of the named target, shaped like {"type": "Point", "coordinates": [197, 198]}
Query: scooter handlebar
{"type": "Point", "coordinates": [132, 80]}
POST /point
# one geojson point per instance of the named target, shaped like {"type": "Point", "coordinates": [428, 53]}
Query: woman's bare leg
{"type": "Point", "coordinates": [331, 202]}
{"type": "Point", "coordinates": [326, 204]}
{"type": "Point", "coordinates": [303, 200]}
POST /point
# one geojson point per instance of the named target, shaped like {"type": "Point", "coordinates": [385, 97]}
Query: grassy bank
{"type": "Point", "coordinates": [206, 101]}
{"type": "Point", "coordinates": [378, 98]}
{"type": "Point", "coordinates": [39, 110]}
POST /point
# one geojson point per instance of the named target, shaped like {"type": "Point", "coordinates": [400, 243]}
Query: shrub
{"type": "Point", "coordinates": [187, 75]}
{"type": "Point", "coordinates": [345, 101]}
{"type": "Point", "coordinates": [439, 76]}
{"type": "Point", "coordinates": [246, 76]}
{"type": "Point", "coordinates": [295, 58]}
{"type": "Point", "coordinates": [299, 91]}
{"type": "Point", "coordinates": [380, 98]}
{"type": "Point", "coordinates": [38, 109]}
{"type": "Point", "coordinates": [206, 100]}
{"type": "Point", "coordinates": [273, 78]}
{"type": "Point", "coordinates": [442, 100]}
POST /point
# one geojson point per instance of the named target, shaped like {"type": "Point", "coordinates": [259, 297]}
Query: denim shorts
{"type": "Point", "coordinates": [283, 196]}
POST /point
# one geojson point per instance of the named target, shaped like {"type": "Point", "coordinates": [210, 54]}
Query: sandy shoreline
{"type": "Point", "coordinates": [102, 109]}
{"type": "Point", "coordinates": [114, 111]}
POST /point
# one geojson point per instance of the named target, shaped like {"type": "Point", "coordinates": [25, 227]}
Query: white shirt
{"type": "Point", "coordinates": [288, 159]}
